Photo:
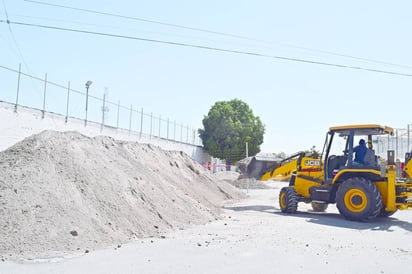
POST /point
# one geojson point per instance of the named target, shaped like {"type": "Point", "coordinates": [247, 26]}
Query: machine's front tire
{"type": "Point", "coordinates": [288, 200]}
{"type": "Point", "coordinates": [358, 199]}
{"type": "Point", "coordinates": [319, 207]}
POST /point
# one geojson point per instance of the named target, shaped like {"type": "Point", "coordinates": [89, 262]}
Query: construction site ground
{"type": "Point", "coordinates": [74, 204]}
{"type": "Point", "coordinates": [253, 237]}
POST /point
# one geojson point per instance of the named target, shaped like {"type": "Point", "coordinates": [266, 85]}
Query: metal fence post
{"type": "Point", "coordinates": [194, 137]}
{"type": "Point", "coordinates": [181, 133]}
{"type": "Point", "coordinates": [151, 124]}
{"type": "Point", "coordinates": [18, 89]}
{"type": "Point", "coordinates": [67, 104]}
{"type": "Point", "coordinates": [401, 144]}
{"type": "Point", "coordinates": [174, 131]}
{"type": "Point", "coordinates": [397, 144]}
{"type": "Point", "coordinates": [160, 123]}
{"type": "Point", "coordinates": [167, 129]}
{"type": "Point", "coordinates": [44, 96]}
{"type": "Point", "coordinates": [118, 112]}
{"type": "Point", "coordinates": [389, 138]}
{"type": "Point", "coordinates": [130, 121]}
{"type": "Point", "coordinates": [104, 109]}
{"type": "Point", "coordinates": [141, 123]}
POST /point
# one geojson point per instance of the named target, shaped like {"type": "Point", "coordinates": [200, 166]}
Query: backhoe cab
{"type": "Point", "coordinates": [361, 191]}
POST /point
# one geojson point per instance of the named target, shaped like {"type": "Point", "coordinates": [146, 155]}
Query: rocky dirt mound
{"type": "Point", "coordinates": [63, 192]}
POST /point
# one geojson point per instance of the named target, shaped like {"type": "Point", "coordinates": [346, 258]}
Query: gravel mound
{"type": "Point", "coordinates": [64, 192]}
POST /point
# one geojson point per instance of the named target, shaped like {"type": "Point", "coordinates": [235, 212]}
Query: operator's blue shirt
{"type": "Point", "coordinates": [360, 152]}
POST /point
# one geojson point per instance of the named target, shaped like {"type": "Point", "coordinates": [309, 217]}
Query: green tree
{"type": "Point", "coordinates": [228, 126]}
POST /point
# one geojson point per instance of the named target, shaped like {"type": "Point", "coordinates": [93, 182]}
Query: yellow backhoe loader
{"type": "Point", "coordinates": [373, 187]}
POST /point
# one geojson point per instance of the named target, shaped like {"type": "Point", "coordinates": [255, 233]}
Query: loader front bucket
{"type": "Point", "coordinates": [256, 166]}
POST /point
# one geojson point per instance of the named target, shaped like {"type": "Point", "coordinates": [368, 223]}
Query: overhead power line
{"type": "Point", "coordinates": [215, 32]}
{"type": "Point", "coordinates": [207, 48]}
{"type": "Point", "coordinates": [16, 44]}
{"type": "Point", "coordinates": [14, 38]}
{"type": "Point", "coordinates": [136, 19]}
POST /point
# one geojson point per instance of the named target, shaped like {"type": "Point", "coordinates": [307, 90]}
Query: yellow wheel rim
{"type": "Point", "coordinates": [282, 200]}
{"type": "Point", "coordinates": [355, 200]}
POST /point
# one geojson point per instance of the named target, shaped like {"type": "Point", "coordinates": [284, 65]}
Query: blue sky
{"type": "Point", "coordinates": [296, 101]}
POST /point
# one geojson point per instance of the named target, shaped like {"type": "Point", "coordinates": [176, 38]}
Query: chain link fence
{"type": "Point", "coordinates": [23, 89]}
{"type": "Point", "coordinates": [401, 143]}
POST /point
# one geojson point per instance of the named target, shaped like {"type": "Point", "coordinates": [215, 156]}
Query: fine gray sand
{"type": "Point", "coordinates": [65, 192]}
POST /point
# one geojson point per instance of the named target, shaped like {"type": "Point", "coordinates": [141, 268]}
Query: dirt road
{"type": "Point", "coordinates": [254, 237]}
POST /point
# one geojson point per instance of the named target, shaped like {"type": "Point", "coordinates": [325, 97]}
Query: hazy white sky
{"type": "Point", "coordinates": [296, 101]}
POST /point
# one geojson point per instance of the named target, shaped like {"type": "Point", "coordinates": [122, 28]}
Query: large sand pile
{"type": "Point", "coordinates": [63, 192]}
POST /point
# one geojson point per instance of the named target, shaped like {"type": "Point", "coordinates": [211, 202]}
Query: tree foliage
{"type": "Point", "coordinates": [228, 126]}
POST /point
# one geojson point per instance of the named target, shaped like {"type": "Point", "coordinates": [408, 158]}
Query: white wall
{"type": "Point", "coordinates": [15, 126]}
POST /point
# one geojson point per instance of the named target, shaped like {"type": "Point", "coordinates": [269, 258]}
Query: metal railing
{"type": "Point", "coordinates": [23, 89]}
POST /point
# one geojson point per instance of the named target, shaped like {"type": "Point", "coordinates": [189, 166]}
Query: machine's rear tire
{"type": "Point", "coordinates": [319, 207]}
{"type": "Point", "coordinates": [386, 214]}
{"type": "Point", "coordinates": [358, 199]}
{"type": "Point", "coordinates": [288, 200]}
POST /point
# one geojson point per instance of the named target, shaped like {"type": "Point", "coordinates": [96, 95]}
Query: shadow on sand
{"type": "Point", "coordinates": [332, 219]}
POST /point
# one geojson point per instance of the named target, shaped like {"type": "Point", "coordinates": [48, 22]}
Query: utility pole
{"type": "Point", "coordinates": [88, 83]}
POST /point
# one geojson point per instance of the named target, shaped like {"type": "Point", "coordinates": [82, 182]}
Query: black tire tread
{"type": "Point", "coordinates": [375, 199]}
{"type": "Point", "coordinates": [386, 214]}
{"type": "Point", "coordinates": [291, 200]}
